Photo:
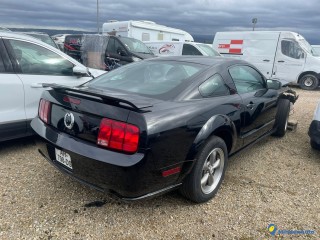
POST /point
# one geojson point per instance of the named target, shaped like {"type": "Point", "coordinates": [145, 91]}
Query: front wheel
{"type": "Point", "coordinates": [282, 117]}
{"type": "Point", "coordinates": [206, 176]}
{"type": "Point", "coordinates": [309, 82]}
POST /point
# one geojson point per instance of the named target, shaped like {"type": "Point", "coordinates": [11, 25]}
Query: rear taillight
{"type": "Point", "coordinates": [44, 110]}
{"type": "Point", "coordinates": [118, 135]}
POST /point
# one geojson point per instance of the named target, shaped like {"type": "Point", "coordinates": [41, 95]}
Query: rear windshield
{"type": "Point", "coordinates": [157, 79]}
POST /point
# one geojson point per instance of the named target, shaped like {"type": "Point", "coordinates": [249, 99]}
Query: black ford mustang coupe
{"type": "Point", "coordinates": [160, 124]}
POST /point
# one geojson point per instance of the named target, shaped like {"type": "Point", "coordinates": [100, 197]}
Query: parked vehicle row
{"type": "Point", "coordinates": [26, 63]}
{"type": "Point", "coordinates": [59, 39]}
{"type": "Point", "coordinates": [281, 55]}
{"type": "Point", "coordinates": [171, 121]}
{"type": "Point", "coordinates": [97, 49]}
{"type": "Point", "coordinates": [160, 124]}
{"type": "Point", "coordinates": [173, 48]}
{"type": "Point", "coordinates": [145, 31]}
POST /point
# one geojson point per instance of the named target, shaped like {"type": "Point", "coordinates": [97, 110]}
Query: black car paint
{"type": "Point", "coordinates": [172, 133]}
{"type": "Point", "coordinates": [314, 133]}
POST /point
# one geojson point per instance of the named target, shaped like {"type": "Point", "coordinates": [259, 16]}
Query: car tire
{"type": "Point", "coordinates": [309, 82]}
{"type": "Point", "coordinates": [314, 145]}
{"type": "Point", "coordinates": [282, 117]}
{"type": "Point", "coordinates": [203, 182]}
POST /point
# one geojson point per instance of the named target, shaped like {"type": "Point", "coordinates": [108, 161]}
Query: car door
{"type": "Point", "coordinates": [259, 103]}
{"type": "Point", "coordinates": [289, 61]}
{"type": "Point", "coordinates": [12, 112]}
{"type": "Point", "coordinates": [37, 64]}
{"type": "Point", "coordinates": [115, 49]}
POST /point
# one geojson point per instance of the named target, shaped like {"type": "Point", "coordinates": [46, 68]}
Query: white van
{"type": "Point", "coordinates": [173, 48]}
{"type": "Point", "coordinates": [281, 55]}
{"type": "Point", "coordinates": [145, 31]}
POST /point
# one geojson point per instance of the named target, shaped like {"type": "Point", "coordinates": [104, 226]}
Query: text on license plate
{"type": "Point", "coordinates": [63, 158]}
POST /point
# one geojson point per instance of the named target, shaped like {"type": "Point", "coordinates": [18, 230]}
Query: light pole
{"type": "Point", "coordinates": [254, 21]}
{"type": "Point", "coordinates": [98, 16]}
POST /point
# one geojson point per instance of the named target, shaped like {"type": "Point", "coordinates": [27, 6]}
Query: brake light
{"type": "Point", "coordinates": [118, 135]}
{"type": "Point", "coordinates": [44, 110]}
{"type": "Point", "coordinates": [71, 100]}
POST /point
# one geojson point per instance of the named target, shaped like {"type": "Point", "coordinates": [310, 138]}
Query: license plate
{"type": "Point", "coordinates": [63, 158]}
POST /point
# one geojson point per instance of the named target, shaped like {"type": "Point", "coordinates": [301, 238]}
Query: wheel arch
{"type": "Point", "coordinates": [218, 125]}
{"type": "Point", "coordinates": [308, 72]}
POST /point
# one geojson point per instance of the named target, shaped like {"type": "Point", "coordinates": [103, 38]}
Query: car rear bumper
{"type": "Point", "coordinates": [314, 132]}
{"type": "Point", "coordinates": [130, 177]}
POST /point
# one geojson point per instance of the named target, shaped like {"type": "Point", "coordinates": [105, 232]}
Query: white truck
{"type": "Point", "coordinates": [281, 55]}
{"type": "Point", "coordinates": [145, 31]}
{"type": "Point", "coordinates": [173, 48]}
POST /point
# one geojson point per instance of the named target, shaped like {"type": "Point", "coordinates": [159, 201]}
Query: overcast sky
{"type": "Point", "coordinates": [194, 16]}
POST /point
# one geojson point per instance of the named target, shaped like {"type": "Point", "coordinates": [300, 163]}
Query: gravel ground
{"type": "Point", "coordinates": [275, 181]}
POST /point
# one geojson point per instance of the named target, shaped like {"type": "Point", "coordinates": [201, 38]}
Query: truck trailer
{"type": "Point", "coordinates": [145, 31]}
{"type": "Point", "coordinates": [281, 55]}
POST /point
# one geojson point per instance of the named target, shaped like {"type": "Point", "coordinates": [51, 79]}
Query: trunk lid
{"type": "Point", "coordinates": [78, 111]}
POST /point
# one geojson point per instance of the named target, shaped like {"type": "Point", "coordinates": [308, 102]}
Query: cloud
{"type": "Point", "coordinates": [195, 16]}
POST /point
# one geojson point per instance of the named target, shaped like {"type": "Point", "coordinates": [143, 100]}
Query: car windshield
{"type": "Point", "coordinates": [44, 38]}
{"type": "Point", "coordinates": [208, 50]}
{"type": "Point", "coordinates": [157, 79]}
{"type": "Point", "coordinates": [135, 45]}
{"type": "Point", "coordinates": [307, 47]}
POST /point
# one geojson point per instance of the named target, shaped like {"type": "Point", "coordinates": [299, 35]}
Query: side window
{"type": "Point", "coordinates": [34, 59]}
{"type": "Point", "coordinates": [118, 47]}
{"type": "Point", "coordinates": [246, 79]}
{"type": "Point", "coordinates": [111, 46]}
{"type": "Point", "coordinates": [291, 49]}
{"type": "Point", "coordinates": [214, 86]}
{"type": "Point", "coordinates": [145, 37]}
{"type": "Point", "coordinates": [190, 50]}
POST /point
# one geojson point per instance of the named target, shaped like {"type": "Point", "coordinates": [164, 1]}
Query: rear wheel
{"type": "Point", "coordinates": [309, 82]}
{"type": "Point", "coordinates": [282, 117]}
{"type": "Point", "coordinates": [206, 176]}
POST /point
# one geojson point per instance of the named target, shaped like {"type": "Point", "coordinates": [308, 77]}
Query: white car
{"type": "Point", "coordinates": [26, 63]}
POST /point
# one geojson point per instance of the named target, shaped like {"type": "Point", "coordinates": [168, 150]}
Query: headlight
{"type": "Point", "coordinates": [135, 59]}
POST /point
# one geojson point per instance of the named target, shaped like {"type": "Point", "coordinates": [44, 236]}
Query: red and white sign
{"type": "Point", "coordinates": [233, 47]}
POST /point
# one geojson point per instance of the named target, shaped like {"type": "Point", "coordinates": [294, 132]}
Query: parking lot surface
{"type": "Point", "coordinates": [277, 181]}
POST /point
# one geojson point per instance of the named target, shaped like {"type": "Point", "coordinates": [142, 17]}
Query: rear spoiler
{"type": "Point", "coordinates": [138, 107]}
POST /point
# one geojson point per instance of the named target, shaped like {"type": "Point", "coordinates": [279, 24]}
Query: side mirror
{"type": "Point", "coordinates": [274, 84]}
{"type": "Point", "coordinates": [80, 71]}
{"type": "Point", "coordinates": [302, 55]}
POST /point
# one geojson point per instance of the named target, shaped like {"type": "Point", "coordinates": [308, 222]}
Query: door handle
{"type": "Point", "coordinates": [250, 106]}
{"type": "Point", "coordinates": [266, 60]}
{"type": "Point", "coordinates": [281, 61]}
{"type": "Point", "coordinates": [37, 85]}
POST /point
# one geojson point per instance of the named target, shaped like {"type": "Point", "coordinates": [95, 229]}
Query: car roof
{"type": "Point", "coordinates": [204, 60]}
{"type": "Point", "coordinates": [20, 36]}
{"type": "Point", "coordinates": [29, 38]}
{"type": "Point", "coordinates": [35, 33]}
